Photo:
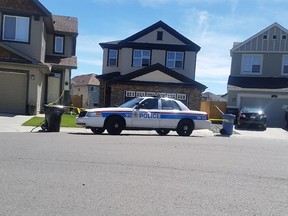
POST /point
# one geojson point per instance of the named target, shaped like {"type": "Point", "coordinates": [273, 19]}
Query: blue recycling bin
{"type": "Point", "coordinates": [228, 124]}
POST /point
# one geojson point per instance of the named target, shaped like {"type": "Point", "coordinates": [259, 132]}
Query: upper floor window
{"type": "Point", "coordinates": [112, 58]}
{"type": "Point", "coordinates": [285, 65]}
{"type": "Point", "coordinates": [59, 44]}
{"type": "Point", "coordinates": [16, 28]}
{"type": "Point", "coordinates": [251, 64]}
{"type": "Point", "coordinates": [141, 58]}
{"type": "Point", "coordinates": [175, 60]}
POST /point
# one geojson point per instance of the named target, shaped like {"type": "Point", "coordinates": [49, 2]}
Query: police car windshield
{"type": "Point", "coordinates": [132, 103]}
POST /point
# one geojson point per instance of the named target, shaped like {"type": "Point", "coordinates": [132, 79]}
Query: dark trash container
{"type": "Point", "coordinates": [53, 116]}
{"type": "Point", "coordinates": [228, 124]}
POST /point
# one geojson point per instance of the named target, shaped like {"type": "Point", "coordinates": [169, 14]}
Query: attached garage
{"type": "Point", "coordinates": [273, 107]}
{"type": "Point", "coordinates": [13, 92]}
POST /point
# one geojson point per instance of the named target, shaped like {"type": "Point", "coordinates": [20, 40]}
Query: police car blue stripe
{"type": "Point", "coordinates": [157, 115]}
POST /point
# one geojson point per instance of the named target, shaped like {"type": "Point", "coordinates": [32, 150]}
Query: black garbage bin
{"type": "Point", "coordinates": [53, 114]}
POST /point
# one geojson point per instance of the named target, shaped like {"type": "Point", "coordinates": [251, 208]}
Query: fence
{"type": "Point", "coordinates": [210, 108]}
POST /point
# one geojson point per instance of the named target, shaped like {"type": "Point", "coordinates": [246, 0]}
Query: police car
{"type": "Point", "coordinates": [145, 113]}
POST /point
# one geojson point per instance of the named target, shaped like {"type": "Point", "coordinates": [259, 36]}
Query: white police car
{"type": "Point", "coordinates": [145, 113]}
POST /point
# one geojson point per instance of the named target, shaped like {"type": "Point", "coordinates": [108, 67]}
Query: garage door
{"type": "Point", "coordinates": [273, 108]}
{"type": "Point", "coordinates": [13, 90]}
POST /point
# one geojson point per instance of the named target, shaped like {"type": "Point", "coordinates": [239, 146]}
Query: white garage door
{"type": "Point", "coordinates": [13, 92]}
{"type": "Point", "coordinates": [273, 108]}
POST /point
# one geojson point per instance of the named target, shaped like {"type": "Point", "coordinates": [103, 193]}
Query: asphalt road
{"type": "Point", "coordinates": [85, 174]}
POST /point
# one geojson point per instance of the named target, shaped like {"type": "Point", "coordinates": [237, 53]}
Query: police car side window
{"type": "Point", "coordinates": [150, 104]}
{"type": "Point", "coordinates": [169, 105]}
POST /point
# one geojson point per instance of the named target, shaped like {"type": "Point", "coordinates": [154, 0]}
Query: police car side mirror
{"type": "Point", "coordinates": [139, 106]}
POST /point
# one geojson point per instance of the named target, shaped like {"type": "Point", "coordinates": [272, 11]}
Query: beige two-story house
{"type": "Point", "coordinates": [37, 54]}
{"type": "Point", "coordinates": [259, 74]}
{"type": "Point", "coordinates": [157, 61]}
{"type": "Point", "coordinates": [85, 91]}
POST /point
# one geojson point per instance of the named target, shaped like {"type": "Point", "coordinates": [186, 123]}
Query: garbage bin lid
{"type": "Point", "coordinates": [228, 116]}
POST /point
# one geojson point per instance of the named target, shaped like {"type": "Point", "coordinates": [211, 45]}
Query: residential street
{"type": "Point", "coordinates": [142, 174]}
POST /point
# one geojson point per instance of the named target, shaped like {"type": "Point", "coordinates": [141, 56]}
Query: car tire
{"type": "Point", "coordinates": [185, 127]}
{"type": "Point", "coordinates": [115, 125]}
{"type": "Point", "coordinates": [162, 132]}
{"type": "Point", "coordinates": [97, 130]}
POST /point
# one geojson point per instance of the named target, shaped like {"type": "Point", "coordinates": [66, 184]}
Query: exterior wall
{"type": "Point", "coordinates": [68, 46]}
{"type": "Point", "coordinates": [34, 47]}
{"type": "Point", "coordinates": [117, 93]}
{"type": "Point", "coordinates": [157, 56]}
{"type": "Point", "coordinates": [88, 97]}
{"type": "Point", "coordinates": [272, 64]}
{"type": "Point", "coordinates": [36, 86]}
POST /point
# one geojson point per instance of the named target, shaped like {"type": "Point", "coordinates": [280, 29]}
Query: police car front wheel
{"type": "Point", "coordinates": [115, 125]}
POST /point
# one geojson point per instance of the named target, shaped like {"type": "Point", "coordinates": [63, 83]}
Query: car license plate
{"type": "Point", "coordinates": [252, 117]}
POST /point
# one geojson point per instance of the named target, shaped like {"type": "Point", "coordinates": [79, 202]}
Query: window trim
{"type": "Point", "coordinates": [252, 55]}
{"type": "Point", "coordinates": [282, 67]}
{"type": "Point", "coordinates": [174, 67]}
{"type": "Point", "coordinates": [108, 58]}
{"type": "Point", "coordinates": [141, 58]}
{"type": "Point", "coordinates": [63, 44]}
{"type": "Point", "coordinates": [15, 40]}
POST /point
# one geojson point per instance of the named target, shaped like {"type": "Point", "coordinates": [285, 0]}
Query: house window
{"type": "Point", "coordinates": [265, 37]}
{"type": "Point", "coordinates": [59, 44]}
{"type": "Point", "coordinates": [160, 35]}
{"type": "Point", "coordinates": [92, 89]}
{"type": "Point", "coordinates": [141, 58]}
{"type": "Point", "coordinates": [274, 37]}
{"type": "Point", "coordinates": [112, 58]}
{"type": "Point", "coordinates": [16, 28]}
{"type": "Point", "coordinates": [251, 64]}
{"type": "Point", "coordinates": [175, 60]}
{"type": "Point", "coordinates": [285, 65]}
{"type": "Point", "coordinates": [284, 37]}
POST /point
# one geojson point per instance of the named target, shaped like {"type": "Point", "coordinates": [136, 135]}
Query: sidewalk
{"type": "Point", "coordinates": [12, 123]}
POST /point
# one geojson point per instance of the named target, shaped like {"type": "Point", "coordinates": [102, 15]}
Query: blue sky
{"type": "Point", "coordinates": [212, 24]}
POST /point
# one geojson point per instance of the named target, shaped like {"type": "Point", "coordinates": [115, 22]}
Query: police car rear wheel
{"type": "Point", "coordinates": [184, 128]}
{"type": "Point", "coordinates": [162, 132]}
{"type": "Point", "coordinates": [115, 125]}
{"type": "Point", "coordinates": [97, 130]}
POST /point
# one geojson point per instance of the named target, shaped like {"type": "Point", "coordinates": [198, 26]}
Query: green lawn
{"type": "Point", "coordinates": [67, 120]}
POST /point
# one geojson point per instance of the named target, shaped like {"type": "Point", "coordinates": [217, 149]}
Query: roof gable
{"type": "Point", "coordinates": [170, 76]}
{"type": "Point", "coordinates": [269, 39]}
{"type": "Point", "coordinates": [148, 38]}
{"type": "Point", "coordinates": [9, 54]}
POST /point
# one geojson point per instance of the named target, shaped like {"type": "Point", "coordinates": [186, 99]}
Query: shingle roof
{"type": "Point", "coordinates": [130, 41]}
{"type": "Point", "coordinates": [129, 77]}
{"type": "Point", "coordinates": [65, 24]}
{"type": "Point", "coordinates": [85, 79]}
{"type": "Point", "coordinates": [259, 82]}
{"type": "Point", "coordinates": [62, 61]}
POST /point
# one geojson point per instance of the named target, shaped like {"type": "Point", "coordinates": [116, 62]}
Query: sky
{"type": "Point", "coordinates": [214, 25]}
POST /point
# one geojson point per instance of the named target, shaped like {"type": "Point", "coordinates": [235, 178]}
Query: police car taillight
{"type": "Point", "coordinates": [207, 116]}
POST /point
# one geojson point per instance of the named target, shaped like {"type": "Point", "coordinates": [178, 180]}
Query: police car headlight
{"type": "Point", "coordinates": [93, 114]}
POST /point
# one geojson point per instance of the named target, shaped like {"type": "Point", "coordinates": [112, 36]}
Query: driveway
{"type": "Point", "coordinates": [12, 123]}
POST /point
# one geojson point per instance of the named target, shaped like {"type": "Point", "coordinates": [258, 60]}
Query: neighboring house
{"type": "Point", "coordinates": [209, 96]}
{"type": "Point", "coordinates": [259, 74]}
{"type": "Point", "coordinates": [155, 61]}
{"type": "Point", "coordinates": [87, 88]}
{"type": "Point", "coordinates": [37, 54]}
